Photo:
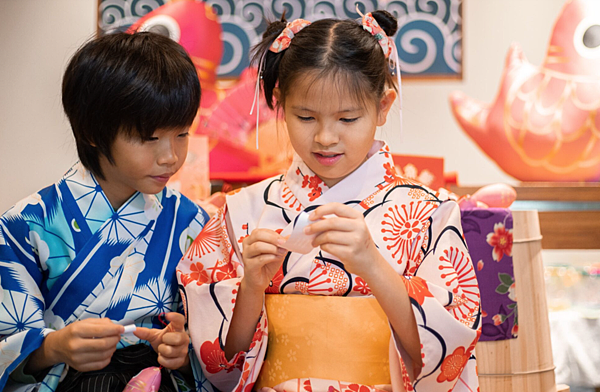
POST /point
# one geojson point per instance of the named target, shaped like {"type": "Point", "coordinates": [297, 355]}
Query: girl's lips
{"type": "Point", "coordinates": [327, 160]}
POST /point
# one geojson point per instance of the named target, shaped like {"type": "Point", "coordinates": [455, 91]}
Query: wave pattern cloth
{"type": "Point", "coordinates": [416, 230]}
{"type": "Point", "coordinates": [66, 255]}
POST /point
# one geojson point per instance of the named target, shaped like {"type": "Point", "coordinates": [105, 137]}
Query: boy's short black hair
{"type": "Point", "coordinates": [132, 83]}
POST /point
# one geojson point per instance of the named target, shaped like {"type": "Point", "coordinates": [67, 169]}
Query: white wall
{"type": "Point", "coordinates": [37, 38]}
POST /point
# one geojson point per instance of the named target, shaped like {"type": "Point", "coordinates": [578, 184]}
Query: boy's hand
{"type": "Point", "coordinates": [345, 236]}
{"type": "Point", "coordinates": [170, 343]}
{"type": "Point", "coordinates": [262, 258]}
{"type": "Point", "coordinates": [85, 345]}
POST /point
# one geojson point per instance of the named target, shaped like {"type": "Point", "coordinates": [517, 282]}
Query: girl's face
{"type": "Point", "coordinates": [331, 130]}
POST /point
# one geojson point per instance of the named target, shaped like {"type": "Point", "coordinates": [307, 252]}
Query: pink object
{"type": "Point", "coordinates": [545, 122]}
{"type": "Point", "coordinates": [192, 179]}
{"type": "Point", "coordinates": [148, 380]}
{"type": "Point", "coordinates": [196, 27]}
{"type": "Point", "coordinates": [495, 196]}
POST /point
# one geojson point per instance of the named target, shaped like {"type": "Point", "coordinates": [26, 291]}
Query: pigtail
{"type": "Point", "coordinates": [262, 56]}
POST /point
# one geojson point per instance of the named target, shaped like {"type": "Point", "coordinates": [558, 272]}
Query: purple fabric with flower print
{"type": "Point", "coordinates": [488, 233]}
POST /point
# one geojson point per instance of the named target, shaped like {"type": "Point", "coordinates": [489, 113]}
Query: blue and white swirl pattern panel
{"type": "Point", "coordinates": [429, 39]}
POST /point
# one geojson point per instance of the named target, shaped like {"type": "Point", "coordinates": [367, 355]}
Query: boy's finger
{"type": "Point", "coordinates": [145, 333]}
{"type": "Point", "coordinates": [96, 330]}
{"type": "Point", "coordinates": [176, 339]}
{"type": "Point", "coordinates": [176, 321]}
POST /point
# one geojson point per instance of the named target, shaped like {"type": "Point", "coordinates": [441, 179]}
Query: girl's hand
{"type": "Point", "coordinates": [85, 345]}
{"type": "Point", "coordinates": [345, 235]}
{"type": "Point", "coordinates": [262, 258]}
{"type": "Point", "coordinates": [170, 343]}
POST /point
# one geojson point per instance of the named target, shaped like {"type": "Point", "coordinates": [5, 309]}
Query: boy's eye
{"type": "Point", "coordinates": [184, 134]}
{"type": "Point", "coordinates": [150, 139]}
{"type": "Point", "coordinates": [348, 120]}
{"type": "Point", "coordinates": [305, 118]}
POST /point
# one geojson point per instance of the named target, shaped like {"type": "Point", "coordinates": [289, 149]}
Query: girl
{"type": "Point", "coordinates": [376, 234]}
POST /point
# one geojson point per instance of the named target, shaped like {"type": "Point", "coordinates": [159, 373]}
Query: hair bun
{"type": "Point", "coordinates": [387, 21]}
{"type": "Point", "coordinates": [275, 28]}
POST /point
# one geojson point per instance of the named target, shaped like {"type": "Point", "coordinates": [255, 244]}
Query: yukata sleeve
{"type": "Point", "coordinates": [209, 276]}
{"type": "Point", "coordinates": [445, 299]}
{"type": "Point", "coordinates": [22, 326]}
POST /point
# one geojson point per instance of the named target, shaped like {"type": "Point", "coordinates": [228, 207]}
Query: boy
{"type": "Point", "coordinates": [98, 249]}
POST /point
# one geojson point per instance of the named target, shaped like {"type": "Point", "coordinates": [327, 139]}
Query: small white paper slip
{"type": "Point", "coordinates": [299, 242]}
{"type": "Point", "coordinates": [128, 333]}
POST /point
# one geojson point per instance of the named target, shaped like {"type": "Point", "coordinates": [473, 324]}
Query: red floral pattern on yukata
{"type": "Point", "coordinates": [361, 286]}
{"type": "Point", "coordinates": [208, 240]}
{"type": "Point", "coordinates": [275, 283]}
{"type": "Point", "coordinates": [459, 274]}
{"type": "Point", "coordinates": [313, 183]}
{"type": "Point", "coordinates": [214, 358]}
{"type": "Point", "coordinates": [402, 225]}
{"type": "Point", "coordinates": [417, 288]}
{"type": "Point", "coordinates": [502, 241]}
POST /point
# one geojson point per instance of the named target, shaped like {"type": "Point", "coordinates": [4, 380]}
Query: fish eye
{"type": "Point", "coordinates": [587, 38]}
{"type": "Point", "coordinates": [163, 25]}
{"type": "Point", "coordinates": [591, 37]}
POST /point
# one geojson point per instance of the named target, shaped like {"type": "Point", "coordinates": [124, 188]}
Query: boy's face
{"type": "Point", "coordinates": [142, 165]}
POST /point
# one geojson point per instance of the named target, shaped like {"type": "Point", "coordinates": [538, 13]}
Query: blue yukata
{"type": "Point", "coordinates": [66, 255]}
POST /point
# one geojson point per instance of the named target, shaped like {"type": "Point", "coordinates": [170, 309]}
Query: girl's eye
{"type": "Point", "coordinates": [150, 139]}
{"type": "Point", "coordinates": [303, 118]}
{"type": "Point", "coordinates": [348, 120]}
{"type": "Point", "coordinates": [185, 134]}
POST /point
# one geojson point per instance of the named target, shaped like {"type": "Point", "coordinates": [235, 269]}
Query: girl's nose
{"type": "Point", "coordinates": [326, 135]}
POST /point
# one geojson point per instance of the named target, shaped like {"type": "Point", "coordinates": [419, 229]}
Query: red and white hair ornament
{"type": "Point", "coordinates": [281, 43]}
{"type": "Point", "coordinates": [370, 25]}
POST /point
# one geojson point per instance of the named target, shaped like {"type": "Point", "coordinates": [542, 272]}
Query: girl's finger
{"type": "Point", "coordinates": [259, 248]}
{"type": "Point", "coordinates": [264, 235]}
{"type": "Point", "coordinates": [339, 209]}
{"type": "Point", "coordinates": [331, 224]}
{"type": "Point", "coordinates": [333, 237]}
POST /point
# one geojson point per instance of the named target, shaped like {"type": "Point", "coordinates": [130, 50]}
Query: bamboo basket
{"type": "Point", "coordinates": [524, 363]}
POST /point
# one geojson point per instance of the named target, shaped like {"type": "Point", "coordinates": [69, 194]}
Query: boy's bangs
{"type": "Point", "coordinates": [167, 109]}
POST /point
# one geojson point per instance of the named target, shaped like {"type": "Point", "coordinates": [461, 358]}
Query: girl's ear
{"type": "Point", "coordinates": [276, 93]}
{"type": "Point", "coordinates": [385, 104]}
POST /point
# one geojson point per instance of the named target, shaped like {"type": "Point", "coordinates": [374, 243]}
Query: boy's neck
{"type": "Point", "coordinates": [116, 196]}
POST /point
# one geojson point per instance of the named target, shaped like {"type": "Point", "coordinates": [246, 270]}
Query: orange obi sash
{"type": "Point", "coordinates": [328, 337]}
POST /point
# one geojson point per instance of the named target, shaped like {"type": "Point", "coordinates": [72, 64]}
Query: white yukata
{"type": "Point", "coordinates": [416, 230]}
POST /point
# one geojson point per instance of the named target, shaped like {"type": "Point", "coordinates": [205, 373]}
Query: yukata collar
{"type": "Point", "coordinates": [93, 203]}
{"type": "Point", "coordinates": [310, 190]}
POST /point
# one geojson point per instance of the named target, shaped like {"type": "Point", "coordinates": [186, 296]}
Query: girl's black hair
{"type": "Point", "coordinates": [127, 83]}
{"type": "Point", "coordinates": [341, 49]}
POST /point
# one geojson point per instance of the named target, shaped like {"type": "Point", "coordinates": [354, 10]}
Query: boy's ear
{"type": "Point", "coordinates": [385, 104]}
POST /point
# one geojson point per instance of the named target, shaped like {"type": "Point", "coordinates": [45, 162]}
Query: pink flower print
{"type": "Point", "coordinates": [502, 240]}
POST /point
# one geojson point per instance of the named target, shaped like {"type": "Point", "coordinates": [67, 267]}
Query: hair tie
{"type": "Point", "coordinates": [370, 25]}
{"type": "Point", "coordinates": [281, 43]}
{"type": "Point", "coordinates": [283, 40]}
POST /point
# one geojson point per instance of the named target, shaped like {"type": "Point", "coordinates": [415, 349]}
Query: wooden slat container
{"type": "Point", "coordinates": [525, 363]}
